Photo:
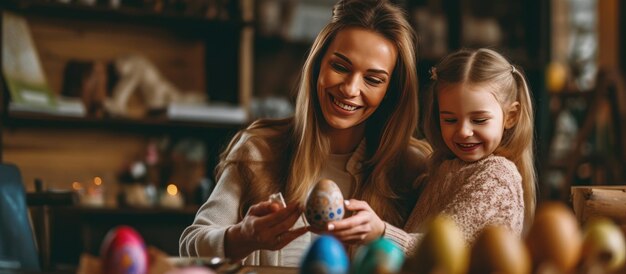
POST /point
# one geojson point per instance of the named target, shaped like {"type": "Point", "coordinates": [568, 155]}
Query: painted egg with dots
{"type": "Point", "coordinates": [324, 204]}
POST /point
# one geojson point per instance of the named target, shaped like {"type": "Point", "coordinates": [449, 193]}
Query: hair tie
{"type": "Point", "coordinates": [433, 73]}
{"type": "Point", "coordinates": [513, 70]}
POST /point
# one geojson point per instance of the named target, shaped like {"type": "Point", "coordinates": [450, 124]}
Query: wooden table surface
{"type": "Point", "coordinates": [267, 270]}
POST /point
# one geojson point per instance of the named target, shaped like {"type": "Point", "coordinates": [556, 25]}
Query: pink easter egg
{"type": "Point", "coordinates": [123, 251]}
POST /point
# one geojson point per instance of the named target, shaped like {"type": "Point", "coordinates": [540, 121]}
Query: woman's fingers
{"type": "Point", "coordinates": [359, 229]}
{"type": "Point", "coordinates": [279, 221]}
{"type": "Point", "coordinates": [263, 208]}
{"type": "Point", "coordinates": [363, 226]}
{"type": "Point", "coordinates": [282, 215]}
{"type": "Point", "coordinates": [278, 238]}
{"type": "Point", "coordinates": [267, 228]}
{"type": "Point", "coordinates": [353, 239]}
{"type": "Point", "coordinates": [288, 222]}
{"type": "Point", "coordinates": [280, 228]}
{"type": "Point", "coordinates": [357, 205]}
{"type": "Point", "coordinates": [357, 235]}
{"type": "Point", "coordinates": [285, 238]}
{"type": "Point", "coordinates": [347, 223]}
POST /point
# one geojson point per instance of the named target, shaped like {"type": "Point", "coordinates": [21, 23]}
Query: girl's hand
{"type": "Point", "coordinates": [362, 227]}
{"type": "Point", "coordinates": [265, 226]}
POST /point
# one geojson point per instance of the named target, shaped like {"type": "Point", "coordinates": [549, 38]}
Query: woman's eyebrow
{"type": "Point", "coordinates": [350, 62]}
{"type": "Point", "coordinates": [342, 57]}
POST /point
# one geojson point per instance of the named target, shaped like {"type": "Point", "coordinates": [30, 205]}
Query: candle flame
{"type": "Point", "coordinates": [76, 186]}
{"type": "Point", "coordinates": [172, 189]}
{"type": "Point", "coordinates": [97, 181]}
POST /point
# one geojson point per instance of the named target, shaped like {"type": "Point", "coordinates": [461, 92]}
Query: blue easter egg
{"type": "Point", "coordinates": [379, 256]}
{"type": "Point", "coordinates": [325, 256]}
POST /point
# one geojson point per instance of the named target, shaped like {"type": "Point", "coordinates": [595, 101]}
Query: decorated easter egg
{"type": "Point", "coordinates": [442, 249]}
{"type": "Point", "coordinates": [123, 252]}
{"type": "Point", "coordinates": [325, 256]}
{"type": "Point", "coordinates": [324, 204]}
{"type": "Point", "coordinates": [379, 256]}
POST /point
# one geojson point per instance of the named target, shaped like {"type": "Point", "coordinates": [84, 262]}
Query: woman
{"type": "Point", "coordinates": [356, 113]}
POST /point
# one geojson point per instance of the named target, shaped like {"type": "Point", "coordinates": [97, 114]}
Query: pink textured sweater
{"type": "Point", "coordinates": [474, 195]}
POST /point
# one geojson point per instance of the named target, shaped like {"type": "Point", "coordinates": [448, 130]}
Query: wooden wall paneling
{"type": "Point", "coordinates": [62, 157]}
{"type": "Point", "coordinates": [559, 31]}
{"type": "Point", "coordinates": [622, 36]}
{"type": "Point", "coordinates": [179, 58]}
{"type": "Point", "coordinates": [608, 33]}
{"type": "Point", "coordinates": [246, 66]}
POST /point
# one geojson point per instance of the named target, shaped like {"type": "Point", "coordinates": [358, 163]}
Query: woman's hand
{"type": "Point", "coordinates": [360, 228]}
{"type": "Point", "coordinates": [265, 226]}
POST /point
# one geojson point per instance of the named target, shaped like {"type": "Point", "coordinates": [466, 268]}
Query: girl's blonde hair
{"type": "Point", "coordinates": [508, 84]}
{"type": "Point", "coordinates": [302, 148]}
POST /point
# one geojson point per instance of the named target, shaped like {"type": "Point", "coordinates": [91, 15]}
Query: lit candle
{"type": "Point", "coordinates": [78, 187]}
{"type": "Point", "coordinates": [92, 194]}
{"type": "Point", "coordinates": [171, 198]}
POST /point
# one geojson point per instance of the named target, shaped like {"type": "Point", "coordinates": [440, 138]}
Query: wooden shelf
{"type": "Point", "coordinates": [159, 124]}
{"type": "Point", "coordinates": [95, 213]}
{"type": "Point", "coordinates": [126, 15]}
{"type": "Point", "coordinates": [585, 94]}
{"type": "Point", "coordinates": [264, 42]}
{"type": "Point", "coordinates": [604, 106]}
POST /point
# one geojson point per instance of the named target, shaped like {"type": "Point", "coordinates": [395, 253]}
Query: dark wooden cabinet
{"type": "Point", "coordinates": [75, 230]}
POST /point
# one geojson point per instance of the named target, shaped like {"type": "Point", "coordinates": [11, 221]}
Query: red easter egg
{"type": "Point", "coordinates": [123, 251]}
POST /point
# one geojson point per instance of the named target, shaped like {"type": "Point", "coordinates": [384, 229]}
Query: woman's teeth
{"type": "Point", "coordinates": [344, 106]}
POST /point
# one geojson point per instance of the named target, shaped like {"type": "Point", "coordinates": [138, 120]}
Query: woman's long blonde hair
{"type": "Point", "coordinates": [508, 84]}
{"type": "Point", "coordinates": [301, 146]}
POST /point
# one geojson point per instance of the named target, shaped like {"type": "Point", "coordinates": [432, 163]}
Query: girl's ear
{"type": "Point", "coordinates": [511, 115]}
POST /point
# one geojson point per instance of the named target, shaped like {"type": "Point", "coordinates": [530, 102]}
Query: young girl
{"type": "Point", "coordinates": [479, 122]}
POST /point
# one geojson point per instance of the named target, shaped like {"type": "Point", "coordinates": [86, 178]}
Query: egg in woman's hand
{"type": "Point", "coordinates": [324, 204]}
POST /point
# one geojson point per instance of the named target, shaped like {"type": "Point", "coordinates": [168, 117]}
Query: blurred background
{"type": "Point", "coordinates": [127, 104]}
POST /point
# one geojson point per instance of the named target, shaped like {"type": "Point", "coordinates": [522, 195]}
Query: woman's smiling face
{"type": "Point", "coordinates": [354, 76]}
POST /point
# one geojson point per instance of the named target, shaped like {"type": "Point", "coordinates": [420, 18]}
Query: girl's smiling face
{"type": "Point", "coordinates": [354, 76]}
{"type": "Point", "coordinates": [471, 120]}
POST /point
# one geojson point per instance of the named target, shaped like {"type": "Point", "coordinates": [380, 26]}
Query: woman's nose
{"type": "Point", "coordinates": [350, 86]}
